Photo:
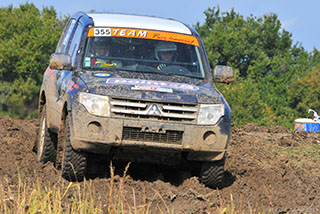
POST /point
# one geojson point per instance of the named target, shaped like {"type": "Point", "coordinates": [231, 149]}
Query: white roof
{"type": "Point", "coordinates": [139, 22]}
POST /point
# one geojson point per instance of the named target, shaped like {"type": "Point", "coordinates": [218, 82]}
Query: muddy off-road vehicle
{"type": "Point", "coordinates": [133, 88]}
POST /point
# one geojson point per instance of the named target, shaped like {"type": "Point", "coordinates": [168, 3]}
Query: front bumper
{"type": "Point", "coordinates": [101, 135]}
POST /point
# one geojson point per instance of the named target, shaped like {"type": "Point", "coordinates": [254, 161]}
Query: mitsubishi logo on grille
{"type": "Point", "coordinates": [154, 109]}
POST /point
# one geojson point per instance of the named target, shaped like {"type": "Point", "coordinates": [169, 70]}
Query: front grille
{"type": "Point", "coordinates": [163, 111]}
{"type": "Point", "coordinates": [135, 134]}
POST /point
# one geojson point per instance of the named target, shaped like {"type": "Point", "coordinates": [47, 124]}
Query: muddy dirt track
{"type": "Point", "coordinates": [265, 168]}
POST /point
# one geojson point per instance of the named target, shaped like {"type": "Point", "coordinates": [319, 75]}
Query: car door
{"type": "Point", "coordinates": [55, 78]}
{"type": "Point", "coordinates": [64, 79]}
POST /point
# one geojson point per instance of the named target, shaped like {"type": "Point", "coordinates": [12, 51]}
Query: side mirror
{"type": "Point", "coordinates": [60, 61]}
{"type": "Point", "coordinates": [223, 74]}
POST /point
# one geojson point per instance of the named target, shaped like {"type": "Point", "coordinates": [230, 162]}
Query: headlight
{"type": "Point", "coordinates": [209, 114]}
{"type": "Point", "coordinates": [95, 104]}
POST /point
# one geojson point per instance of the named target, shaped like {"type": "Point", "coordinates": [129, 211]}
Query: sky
{"type": "Point", "coordinates": [300, 18]}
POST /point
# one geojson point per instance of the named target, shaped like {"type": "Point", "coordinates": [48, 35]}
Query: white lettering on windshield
{"type": "Point", "coordinates": [123, 32]}
{"type": "Point", "coordinates": [115, 31]}
{"type": "Point", "coordinates": [131, 33]}
{"type": "Point", "coordinates": [142, 33]}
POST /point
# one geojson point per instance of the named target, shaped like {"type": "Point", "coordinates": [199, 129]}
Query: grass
{"type": "Point", "coordinates": [73, 198]}
{"type": "Point", "coordinates": [70, 198]}
{"type": "Point", "coordinates": [309, 151]}
{"type": "Point", "coordinates": [303, 153]}
{"type": "Point", "coordinates": [35, 198]}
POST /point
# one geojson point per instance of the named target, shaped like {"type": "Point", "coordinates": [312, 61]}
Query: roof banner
{"type": "Point", "coordinates": [143, 34]}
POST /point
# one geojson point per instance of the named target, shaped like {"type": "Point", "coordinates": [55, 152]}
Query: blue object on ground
{"type": "Point", "coordinates": [307, 125]}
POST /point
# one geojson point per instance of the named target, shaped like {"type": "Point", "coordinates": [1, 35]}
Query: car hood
{"type": "Point", "coordinates": [151, 87]}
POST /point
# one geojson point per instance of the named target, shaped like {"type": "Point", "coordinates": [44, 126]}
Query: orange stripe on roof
{"type": "Point", "coordinates": [147, 34]}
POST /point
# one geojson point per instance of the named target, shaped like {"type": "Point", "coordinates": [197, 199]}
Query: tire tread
{"type": "Point", "coordinates": [212, 174]}
{"type": "Point", "coordinates": [74, 163]}
{"type": "Point", "coordinates": [50, 142]}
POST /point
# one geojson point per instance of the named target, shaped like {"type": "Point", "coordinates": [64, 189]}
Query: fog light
{"type": "Point", "coordinates": [94, 127]}
{"type": "Point", "coordinates": [209, 137]}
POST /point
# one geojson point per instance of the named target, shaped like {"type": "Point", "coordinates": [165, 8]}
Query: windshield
{"type": "Point", "coordinates": [142, 55]}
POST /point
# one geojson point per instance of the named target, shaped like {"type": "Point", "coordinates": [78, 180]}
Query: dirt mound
{"type": "Point", "coordinates": [268, 167]}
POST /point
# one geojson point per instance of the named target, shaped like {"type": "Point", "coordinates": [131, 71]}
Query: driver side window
{"type": "Point", "coordinates": [74, 43]}
{"type": "Point", "coordinates": [64, 40]}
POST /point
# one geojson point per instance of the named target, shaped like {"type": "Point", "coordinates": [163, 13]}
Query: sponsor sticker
{"type": "Point", "coordinates": [87, 61]}
{"type": "Point", "coordinates": [151, 88]}
{"type": "Point", "coordinates": [159, 84]}
{"type": "Point", "coordinates": [102, 74]}
{"type": "Point", "coordinates": [143, 34]}
{"type": "Point", "coordinates": [71, 85]}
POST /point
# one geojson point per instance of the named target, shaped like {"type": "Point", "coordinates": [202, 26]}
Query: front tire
{"type": "Point", "coordinates": [212, 173]}
{"type": "Point", "coordinates": [47, 141]}
{"type": "Point", "coordinates": [74, 163]}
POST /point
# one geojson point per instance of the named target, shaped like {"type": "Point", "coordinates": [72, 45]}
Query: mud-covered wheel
{"type": "Point", "coordinates": [47, 141]}
{"type": "Point", "coordinates": [74, 163]}
{"type": "Point", "coordinates": [212, 173]}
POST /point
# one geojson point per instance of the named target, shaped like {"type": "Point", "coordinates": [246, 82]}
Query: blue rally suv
{"type": "Point", "coordinates": [133, 88]}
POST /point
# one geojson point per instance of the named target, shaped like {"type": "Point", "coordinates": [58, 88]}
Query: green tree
{"type": "Point", "coordinates": [232, 40]}
{"type": "Point", "coordinates": [305, 93]}
{"type": "Point", "coordinates": [246, 103]}
{"type": "Point", "coordinates": [28, 37]}
{"type": "Point", "coordinates": [268, 64]}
